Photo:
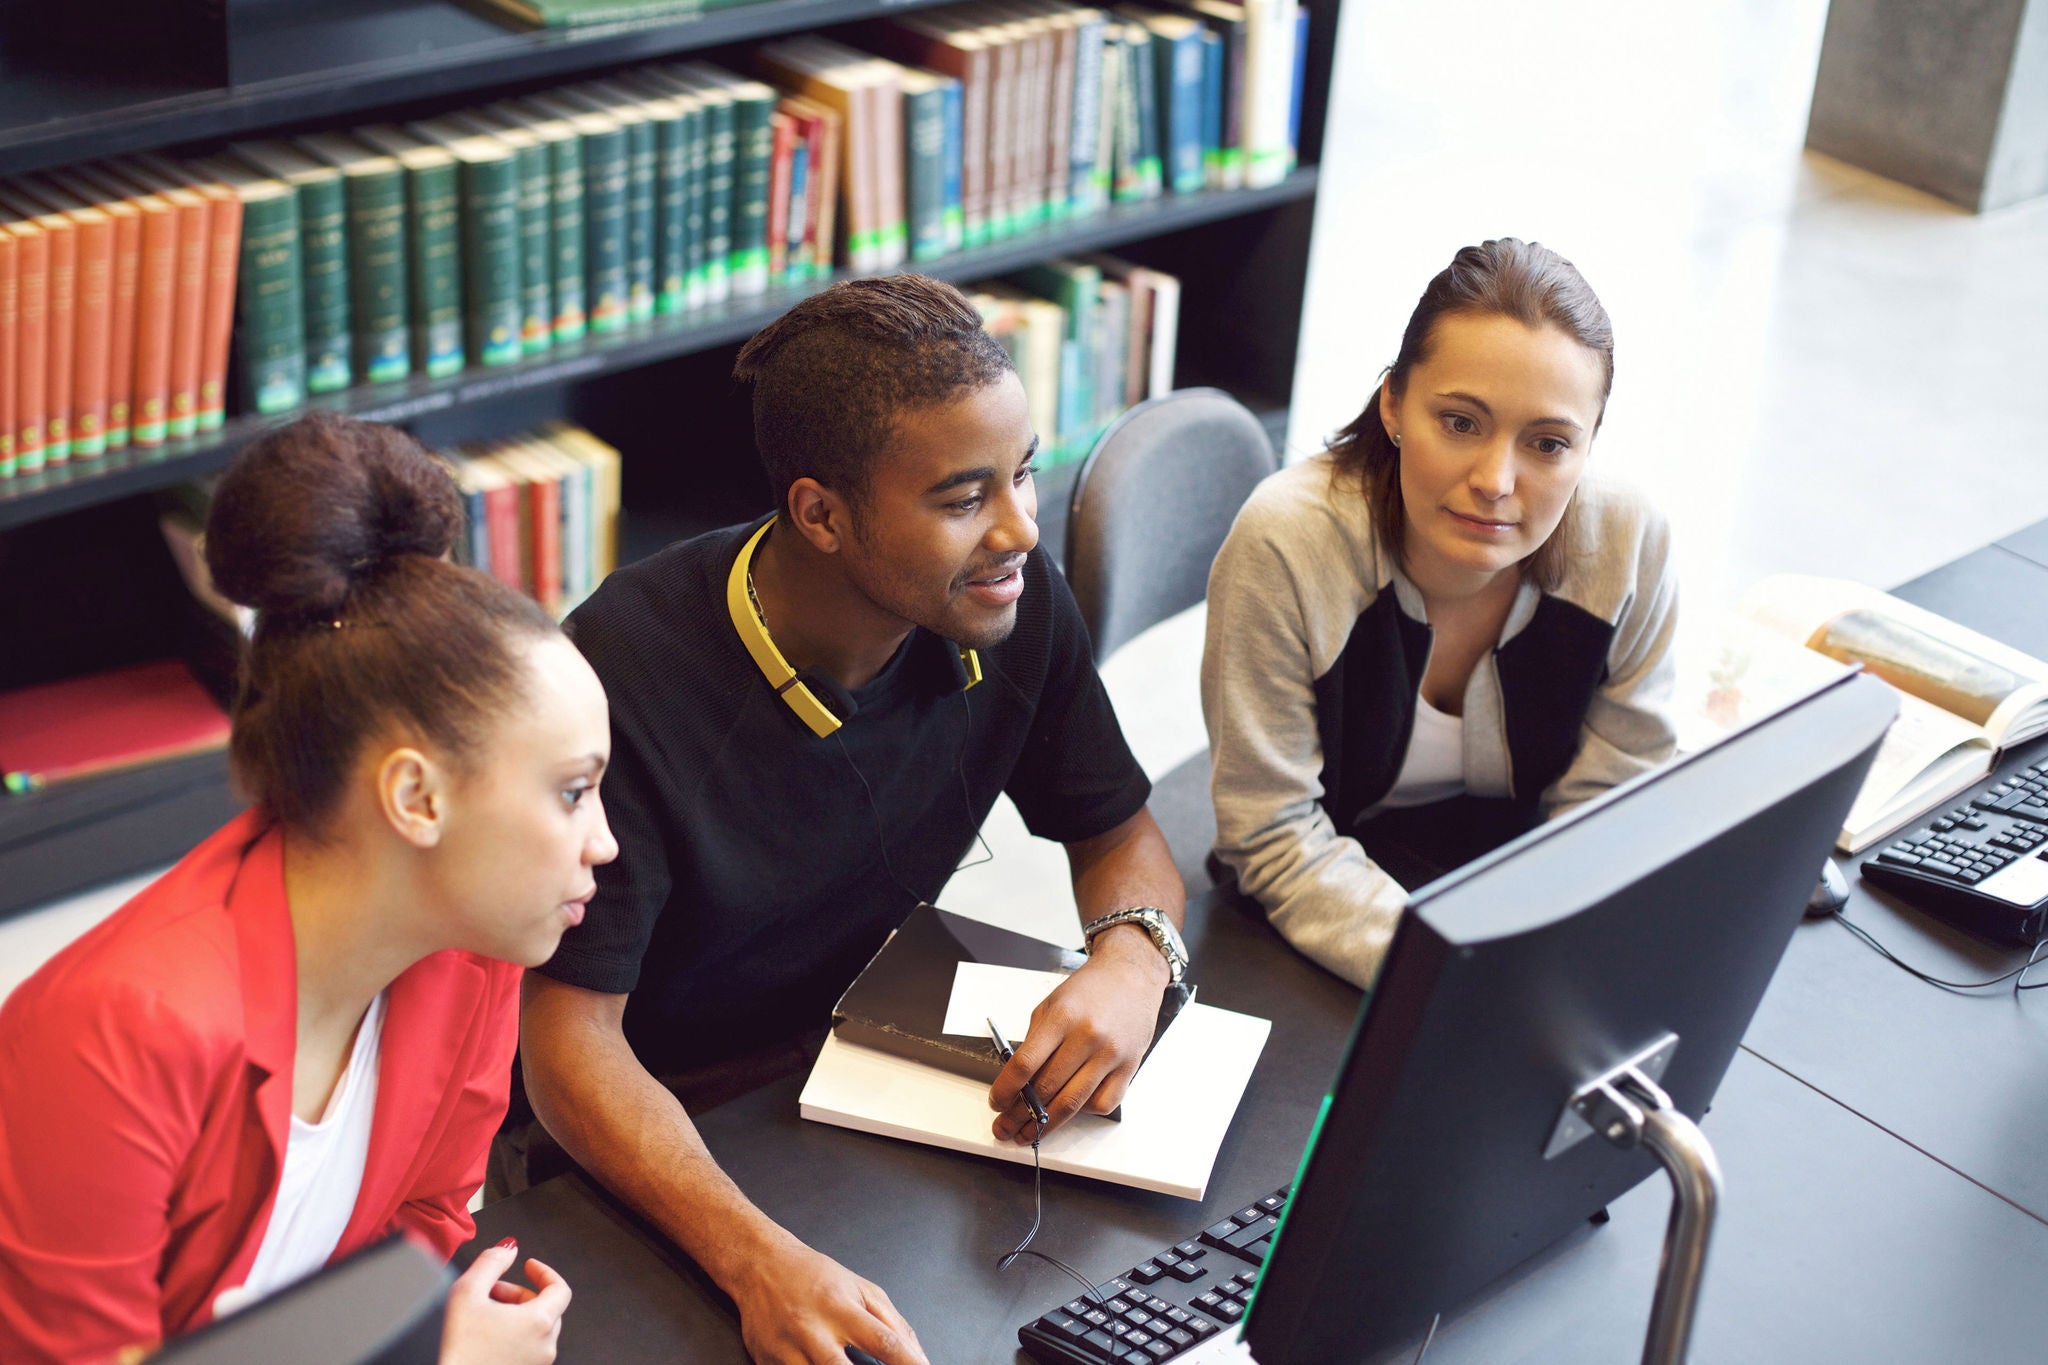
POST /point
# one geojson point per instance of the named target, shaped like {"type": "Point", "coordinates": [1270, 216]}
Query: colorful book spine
{"type": "Point", "coordinates": [156, 271]}
{"type": "Point", "coordinates": [492, 303]}
{"type": "Point", "coordinates": [1143, 86]}
{"type": "Point", "coordinates": [1005, 89]}
{"type": "Point", "coordinates": [433, 212]}
{"type": "Point", "coordinates": [93, 319]}
{"type": "Point", "coordinates": [536, 241]}
{"type": "Point", "coordinates": [605, 175]}
{"type": "Point", "coordinates": [569, 237]}
{"type": "Point", "coordinates": [643, 213]}
{"type": "Point", "coordinates": [821, 180]}
{"type": "Point", "coordinates": [696, 125]}
{"type": "Point", "coordinates": [379, 287]}
{"type": "Point", "coordinates": [1226, 20]}
{"type": "Point", "coordinates": [379, 271]}
{"type": "Point", "coordinates": [753, 158]}
{"type": "Point", "coordinates": [720, 170]}
{"type": "Point", "coordinates": [1111, 121]}
{"type": "Point", "coordinates": [781, 170]}
{"type": "Point", "coordinates": [604, 463]}
{"type": "Point", "coordinates": [323, 259]}
{"type": "Point", "coordinates": [924, 153]}
{"type": "Point", "coordinates": [223, 263]}
{"type": "Point", "coordinates": [1087, 190]}
{"type": "Point", "coordinates": [10, 307]}
{"type": "Point", "coordinates": [670, 121]}
{"type": "Point", "coordinates": [952, 47]}
{"type": "Point", "coordinates": [59, 339]}
{"type": "Point", "coordinates": [1182, 64]}
{"type": "Point", "coordinates": [32, 341]}
{"type": "Point", "coordinates": [1076, 286]}
{"type": "Point", "coordinates": [1212, 108]}
{"type": "Point", "coordinates": [1299, 79]}
{"type": "Point", "coordinates": [797, 213]}
{"type": "Point", "coordinates": [323, 256]}
{"type": "Point", "coordinates": [952, 213]}
{"type": "Point", "coordinates": [89, 330]}
{"type": "Point", "coordinates": [270, 303]}
{"type": "Point", "coordinates": [1065, 26]}
{"type": "Point", "coordinates": [122, 306]}
{"type": "Point", "coordinates": [433, 238]}
{"type": "Point", "coordinates": [639, 213]}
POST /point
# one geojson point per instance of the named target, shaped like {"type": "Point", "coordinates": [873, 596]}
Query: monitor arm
{"type": "Point", "coordinates": [1628, 1108]}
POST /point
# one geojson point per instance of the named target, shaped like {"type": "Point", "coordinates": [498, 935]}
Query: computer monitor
{"type": "Point", "coordinates": [381, 1306]}
{"type": "Point", "coordinates": [1445, 1156]}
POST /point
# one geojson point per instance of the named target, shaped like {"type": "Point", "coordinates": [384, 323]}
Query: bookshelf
{"type": "Point", "coordinates": [660, 390]}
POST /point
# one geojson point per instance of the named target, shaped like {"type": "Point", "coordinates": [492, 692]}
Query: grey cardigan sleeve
{"type": "Point", "coordinates": [1258, 699]}
{"type": "Point", "coordinates": [1628, 728]}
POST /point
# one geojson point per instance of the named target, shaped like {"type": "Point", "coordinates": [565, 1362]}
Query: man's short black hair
{"type": "Point", "coordinates": [832, 374]}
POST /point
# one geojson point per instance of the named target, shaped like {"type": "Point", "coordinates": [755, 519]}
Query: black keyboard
{"type": "Point", "coordinates": [1164, 1305]}
{"type": "Point", "coordinates": [1980, 866]}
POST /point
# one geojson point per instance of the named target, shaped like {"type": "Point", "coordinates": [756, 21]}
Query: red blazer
{"type": "Point", "coordinates": [145, 1100]}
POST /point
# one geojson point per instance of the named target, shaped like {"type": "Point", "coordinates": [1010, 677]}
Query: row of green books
{"type": "Point", "coordinates": [498, 232]}
{"type": "Point", "coordinates": [1090, 336]}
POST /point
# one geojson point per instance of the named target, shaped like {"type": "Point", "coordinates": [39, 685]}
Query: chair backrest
{"type": "Point", "coordinates": [1152, 504]}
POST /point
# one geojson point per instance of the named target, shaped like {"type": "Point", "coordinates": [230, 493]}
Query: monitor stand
{"type": "Point", "coordinates": [1626, 1106]}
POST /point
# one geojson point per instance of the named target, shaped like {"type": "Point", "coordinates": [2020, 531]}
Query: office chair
{"type": "Point", "coordinates": [1151, 506]}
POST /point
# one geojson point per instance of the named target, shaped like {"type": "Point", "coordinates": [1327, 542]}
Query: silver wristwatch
{"type": "Point", "coordinates": [1156, 925]}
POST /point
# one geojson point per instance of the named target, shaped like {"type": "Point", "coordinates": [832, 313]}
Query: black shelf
{"type": "Point", "coordinates": [50, 492]}
{"type": "Point", "coordinates": [396, 51]}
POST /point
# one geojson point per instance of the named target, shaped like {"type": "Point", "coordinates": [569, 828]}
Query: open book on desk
{"type": "Point", "coordinates": [1963, 697]}
{"type": "Point", "coordinates": [910, 1058]}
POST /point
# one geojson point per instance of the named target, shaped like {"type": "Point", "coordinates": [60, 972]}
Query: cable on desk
{"type": "Point", "coordinates": [2017, 975]}
{"type": "Point", "coordinates": [1023, 1248]}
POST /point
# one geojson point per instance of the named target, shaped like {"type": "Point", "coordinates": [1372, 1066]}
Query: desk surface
{"type": "Point", "coordinates": [1879, 1139]}
{"type": "Point", "coordinates": [1964, 1078]}
{"type": "Point", "coordinates": [893, 1211]}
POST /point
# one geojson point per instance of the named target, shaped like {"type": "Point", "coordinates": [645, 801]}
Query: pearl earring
{"type": "Point", "coordinates": [1397, 438]}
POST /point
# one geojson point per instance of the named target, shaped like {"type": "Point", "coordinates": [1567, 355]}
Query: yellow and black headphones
{"type": "Point", "coordinates": [818, 701]}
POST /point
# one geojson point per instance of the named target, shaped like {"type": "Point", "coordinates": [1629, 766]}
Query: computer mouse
{"type": "Point", "coordinates": [1830, 893]}
{"type": "Point", "coordinates": [860, 1357]}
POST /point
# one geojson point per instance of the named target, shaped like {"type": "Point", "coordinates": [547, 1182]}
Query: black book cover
{"type": "Point", "coordinates": [898, 1003]}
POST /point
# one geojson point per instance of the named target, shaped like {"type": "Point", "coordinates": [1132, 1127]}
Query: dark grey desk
{"type": "Point", "coordinates": [928, 1225]}
{"type": "Point", "coordinates": [1962, 1078]}
{"type": "Point", "coordinates": [1879, 1139]}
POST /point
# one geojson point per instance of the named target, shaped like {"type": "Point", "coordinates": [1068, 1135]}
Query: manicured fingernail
{"type": "Point", "coordinates": [507, 1243]}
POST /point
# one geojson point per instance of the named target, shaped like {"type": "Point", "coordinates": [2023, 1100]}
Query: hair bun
{"type": "Point", "coordinates": [321, 504]}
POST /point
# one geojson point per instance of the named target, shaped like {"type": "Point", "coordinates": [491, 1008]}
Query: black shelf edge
{"type": "Point", "coordinates": [32, 497]}
{"type": "Point", "coordinates": [466, 52]}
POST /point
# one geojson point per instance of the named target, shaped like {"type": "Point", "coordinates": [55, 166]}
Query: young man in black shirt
{"type": "Point", "coordinates": [811, 717]}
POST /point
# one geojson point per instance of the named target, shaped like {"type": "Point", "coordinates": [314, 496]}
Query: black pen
{"type": "Point", "coordinates": [1005, 1051]}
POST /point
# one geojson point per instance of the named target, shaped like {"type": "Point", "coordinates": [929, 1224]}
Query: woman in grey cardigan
{"type": "Point", "coordinates": [1437, 625]}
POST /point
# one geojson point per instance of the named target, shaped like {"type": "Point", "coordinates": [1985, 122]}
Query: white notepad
{"type": "Point", "coordinates": [1175, 1115]}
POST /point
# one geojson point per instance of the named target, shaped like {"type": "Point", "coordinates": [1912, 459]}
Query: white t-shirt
{"type": "Point", "coordinates": [323, 1174]}
{"type": "Point", "coordinates": [1434, 769]}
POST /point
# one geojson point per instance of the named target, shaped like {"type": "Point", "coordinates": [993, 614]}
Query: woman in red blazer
{"type": "Point", "coordinates": [300, 1038]}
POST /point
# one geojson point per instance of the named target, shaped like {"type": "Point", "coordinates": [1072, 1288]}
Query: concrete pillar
{"type": "Point", "coordinates": [1949, 96]}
